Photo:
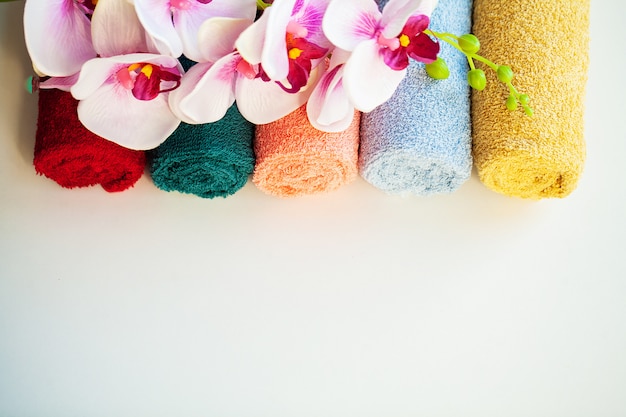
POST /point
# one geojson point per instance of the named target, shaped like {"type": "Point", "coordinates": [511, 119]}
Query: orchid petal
{"type": "Point", "coordinates": [311, 16]}
{"type": "Point", "coordinates": [263, 102]}
{"type": "Point", "coordinates": [250, 42]}
{"type": "Point", "coordinates": [156, 18]}
{"type": "Point", "coordinates": [58, 36]}
{"type": "Point", "coordinates": [348, 23]}
{"type": "Point", "coordinates": [116, 29]}
{"type": "Point", "coordinates": [397, 12]}
{"type": "Point", "coordinates": [274, 58]}
{"type": "Point", "coordinates": [211, 92]}
{"type": "Point", "coordinates": [113, 113]}
{"type": "Point", "coordinates": [187, 22]}
{"type": "Point", "coordinates": [217, 37]}
{"type": "Point", "coordinates": [368, 81]}
{"type": "Point", "coordinates": [329, 108]}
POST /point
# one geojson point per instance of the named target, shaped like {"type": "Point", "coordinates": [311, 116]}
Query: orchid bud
{"type": "Point", "coordinates": [511, 103]}
{"type": "Point", "coordinates": [476, 79]}
{"type": "Point", "coordinates": [523, 98]}
{"type": "Point", "coordinates": [505, 74]}
{"type": "Point", "coordinates": [469, 43]}
{"type": "Point", "coordinates": [438, 69]}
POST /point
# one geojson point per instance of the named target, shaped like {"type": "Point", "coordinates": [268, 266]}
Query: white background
{"type": "Point", "coordinates": [355, 303]}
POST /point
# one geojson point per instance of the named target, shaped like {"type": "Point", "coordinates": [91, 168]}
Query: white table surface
{"type": "Point", "coordinates": [355, 303]}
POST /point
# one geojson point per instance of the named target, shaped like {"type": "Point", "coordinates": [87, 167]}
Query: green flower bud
{"type": "Point", "coordinates": [511, 103]}
{"type": "Point", "coordinates": [438, 69]}
{"type": "Point", "coordinates": [505, 74]}
{"type": "Point", "coordinates": [523, 98]}
{"type": "Point", "coordinates": [476, 79]}
{"type": "Point", "coordinates": [469, 43]}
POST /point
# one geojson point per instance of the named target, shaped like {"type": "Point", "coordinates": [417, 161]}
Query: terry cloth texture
{"type": "Point", "coordinates": [71, 155]}
{"type": "Point", "coordinates": [294, 159]}
{"type": "Point", "coordinates": [546, 44]}
{"type": "Point", "coordinates": [419, 141]}
{"type": "Point", "coordinates": [208, 160]}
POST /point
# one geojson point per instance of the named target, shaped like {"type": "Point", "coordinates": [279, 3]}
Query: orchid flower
{"type": "Point", "coordinates": [123, 93]}
{"type": "Point", "coordinates": [174, 24]}
{"type": "Point", "coordinates": [58, 35]}
{"type": "Point", "coordinates": [381, 44]}
{"type": "Point", "coordinates": [287, 42]}
{"type": "Point", "coordinates": [222, 77]}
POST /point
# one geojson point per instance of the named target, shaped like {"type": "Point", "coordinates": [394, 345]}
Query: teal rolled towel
{"type": "Point", "coordinates": [208, 160]}
{"type": "Point", "coordinates": [419, 142]}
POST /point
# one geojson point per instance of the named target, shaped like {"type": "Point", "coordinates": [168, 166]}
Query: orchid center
{"type": "Point", "coordinates": [404, 40]}
{"type": "Point", "coordinates": [294, 53]}
{"type": "Point", "coordinates": [147, 81]}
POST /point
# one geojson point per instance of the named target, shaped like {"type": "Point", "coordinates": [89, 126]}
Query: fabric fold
{"type": "Point", "coordinates": [546, 44]}
{"type": "Point", "coordinates": [294, 158]}
{"type": "Point", "coordinates": [72, 156]}
{"type": "Point", "coordinates": [207, 160]}
{"type": "Point", "coordinates": [419, 141]}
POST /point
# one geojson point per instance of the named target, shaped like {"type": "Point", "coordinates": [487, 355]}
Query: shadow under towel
{"type": "Point", "coordinates": [545, 42]}
{"type": "Point", "coordinates": [419, 141]}
{"type": "Point", "coordinates": [208, 160]}
{"type": "Point", "coordinates": [71, 155]}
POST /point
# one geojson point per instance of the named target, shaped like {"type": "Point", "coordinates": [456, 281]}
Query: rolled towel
{"type": "Point", "coordinates": [419, 141]}
{"type": "Point", "coordinates": [546, 44]}
{"type": "Point", "coordinates": [208, 160]}
{"type": "Point", "coordinates": [71, 155]}
{"type": "Point", "coordinates": [294, 158]}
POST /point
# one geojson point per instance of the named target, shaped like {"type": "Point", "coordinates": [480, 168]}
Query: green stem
{"type": "Point", "coordinates": [261, 5]}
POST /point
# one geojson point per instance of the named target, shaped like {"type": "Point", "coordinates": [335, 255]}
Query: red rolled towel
{"type": "Point", "coordinates": [71, 155]}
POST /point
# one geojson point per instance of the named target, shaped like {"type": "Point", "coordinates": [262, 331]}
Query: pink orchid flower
{"type": "Point", "coordinates": [174, 24]}
{"type": "Point", "coordinates": [58, 35]}
{"type": "Point", "coordinates": [287, 42]}
{"type": "Point", "coordinates": [381, 44]}
{"type": "Point", "coordinates": [123, 93]}
{"type": "Point", "coordinates": [222, 77]}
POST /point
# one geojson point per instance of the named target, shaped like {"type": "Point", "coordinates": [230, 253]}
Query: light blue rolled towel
{"type": "Point", "coordinates": [419, 142]}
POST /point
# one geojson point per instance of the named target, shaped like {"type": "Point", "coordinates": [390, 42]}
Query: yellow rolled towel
{"type": "Point", "coordinates": [545, 42]}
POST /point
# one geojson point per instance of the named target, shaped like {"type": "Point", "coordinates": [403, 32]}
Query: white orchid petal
{"type": "Point", "coordinates": [397, 12]}
{"type": "Point", "coordinates": [113, 113]}
{"type": "Point", "coordinates": [250, 43]}
{"type": "Point", "coordinates": [187, 22]}
{"type": "Point", "coordinates": [263, 102]}
{"type": "Point", "coordinates": [274, 58]}
{"type": "Point", "coordinates": [217, 36]}
{"type": "Point", "coordinates": [368, 81]}
{"type": "Point", "coordinates": [116, 29]}
{"type": "Point", "coordinates": [329, 108]}
{"type": "Point", "coordinates": [348, 23]}
{"type": "Point", "coordinates": [211, 93]}
{"type": "Point", "coordinates": [58, 36]}
{"type": "Point", "coordinates": [188, 82]}
{"type": "Point", "coordinates": [156, 18]}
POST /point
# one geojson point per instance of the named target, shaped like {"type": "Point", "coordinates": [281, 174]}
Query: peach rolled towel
{"type": "Point", "coordinates": [293, 158]}
{"type": "Point", "coordinates": [545, 42]}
